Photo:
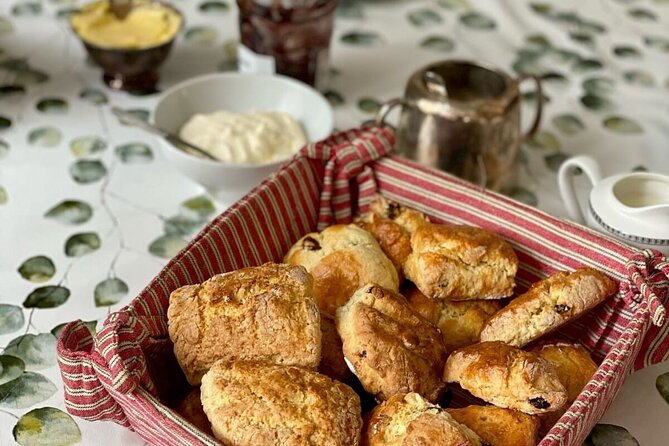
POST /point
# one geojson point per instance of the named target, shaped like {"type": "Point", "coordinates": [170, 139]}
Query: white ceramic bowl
{"type": "Point", "coordinates": [240, 93]}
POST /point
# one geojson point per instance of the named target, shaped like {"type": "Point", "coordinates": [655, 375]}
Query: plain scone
{"type": "Point", "coordinates": [392, 224]}
{"type": "Point", "coordinates": [460, 322]}
{"type": "Point", "coordinates": [390, 348]}
{"type": "Point", "coordinates": [332, 363]}
{"type": "Point", "coordinates": [265, 313]}
{"type": "Point", "coordinates": [498, 426]}
{"type": "Point", "coordinates": [547, 305]}
{"type": "Point", "coordinates": [507, 377]}
{"type": "Point", "coordinates": [410, 420]}
{"type": "Point", "coordinates": [253, 404]}
{"type": "Point", "coordinates": [341, 259]}
{"type": "Point", "coordinates": [461, 263]}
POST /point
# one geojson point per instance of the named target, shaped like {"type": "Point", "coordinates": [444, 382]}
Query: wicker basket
{"type": "Point", "coordinates": [127, 372]}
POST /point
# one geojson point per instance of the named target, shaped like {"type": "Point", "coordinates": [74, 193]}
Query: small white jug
{"type": "Point", "coordinates": [633, 207]}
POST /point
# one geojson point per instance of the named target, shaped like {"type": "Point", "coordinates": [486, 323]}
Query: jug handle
{"type": "Point", "coordinates": [386, 108]}
{"type": "Point", "coordinates": [540, 105]}
{"type": "Point", "coordinates": [565, 176]}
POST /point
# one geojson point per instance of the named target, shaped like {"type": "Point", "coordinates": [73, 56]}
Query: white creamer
{"type": "Point", "coordinates": [253, 138]}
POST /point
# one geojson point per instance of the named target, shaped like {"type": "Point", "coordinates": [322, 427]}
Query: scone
{"type": "Point", "coordinates": [389, 347]}
{"type": "Point", "coordinates": [410, 420]}
{"type": "Point", "coordinates": [265, 313]}
{"type": "Point", "coordinates": [392, 224]}
{"type": "Point", "coordinates": [574, 368]}
{"type": "Point", "coordinates": [498, 426]}
{"type": "Point", "coordinates": [341, 259]}
{"type": "Point", "coordinates": [547, 305]}
{"type": "Point", "coordinates": [332, 363]}
{"type": "Point", "coordinates": [460, 322]}
{"type": "Point", "coordinates": [252, 404]}
{"type": "Point", "coordinates": [461, 263]}
{"type": "Point", "coordinates": [190, 407]}
{"type": "Point", "coordinates": [507, 376]}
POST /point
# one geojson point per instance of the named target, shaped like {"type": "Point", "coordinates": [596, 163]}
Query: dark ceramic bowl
{"type": "Point", "coordinates": [131, 69]}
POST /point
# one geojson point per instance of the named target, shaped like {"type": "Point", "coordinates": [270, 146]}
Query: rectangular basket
{"type": "Point", "coordinates": [127, 372]}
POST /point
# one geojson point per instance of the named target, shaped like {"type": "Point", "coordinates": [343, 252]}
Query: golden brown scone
{"type": "Point", "coordinates": [547, 305]}
{"type": "Point", "coordinates": [460, 322]}
{"type": "Point", "coordinates": [332, 356]}
{"type": "Point", "coordinates": [390, 348]}
{"type": "Point", "coordinates": [252, 404]}
{"type": "Point", "coordinates": [265, 313]}
{"type": "Point", "coordinates": [341, 259]}
{"type": "Point", "coordinates": [461, 263]}
{"type": "Point", "coordinates": [574, 368]}
{"type": "Point", "coordinates": [410, 420]}
{"type": "Point", "coordinates": [499, 426]}
{"type": "Point", "coordinates": [507, 376]}
{"type": "Point", "coordinates": [392, 224]}
{"type": "Point", "coordinates": [191, 409]}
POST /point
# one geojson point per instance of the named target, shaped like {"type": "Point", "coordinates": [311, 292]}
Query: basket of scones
{"type": "Point", "coordinates": [356, 298]}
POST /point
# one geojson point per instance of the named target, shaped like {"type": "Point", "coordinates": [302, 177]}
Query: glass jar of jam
{"type": "Point", "coordinates": [289, 37]}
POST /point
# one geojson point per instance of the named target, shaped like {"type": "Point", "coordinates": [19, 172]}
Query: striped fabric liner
{"type": "Point", "coordinates": [108, 377]}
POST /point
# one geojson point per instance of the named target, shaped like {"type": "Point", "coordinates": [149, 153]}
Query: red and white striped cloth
{"type": "Point", "coordinates": [118, 374]}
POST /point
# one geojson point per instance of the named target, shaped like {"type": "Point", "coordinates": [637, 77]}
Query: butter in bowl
{"type": "Point", "coordinates": [250, 123]}
{"type": "Point", "coordinates": [129, 50]}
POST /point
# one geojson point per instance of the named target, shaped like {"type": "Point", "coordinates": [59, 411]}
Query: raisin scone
{"type": "Point", "coordinates": [547, 305]}
{"type": "Point", "coordinates": [190, 407]}
{"type": "Point", "coordinates": [341, 259]}
{"type": "Point", "coordinates": [392, 224]}
{"type": "Point", "coordinates": [390, 348]}
{"type": "Point", "coordinates": [499, 426]}
{"type": "Point", "coordinates": [460, 322]}
{"type": "Point", "coordinates": [507, 377]}
{"type": "Point", "coordinates": [458, 262]}
{"type": "Point", "coordinates": [252, 404]}
{"type": "Point", "coordinates": [574, 368]}
{"type": "Point", "coordinates": [408, 420]}
{"type": "Point", "coordinates": [265, 313]}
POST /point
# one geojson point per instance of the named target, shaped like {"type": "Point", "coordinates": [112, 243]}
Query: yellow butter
{"type": "Point", "coordinates": [147, 25]}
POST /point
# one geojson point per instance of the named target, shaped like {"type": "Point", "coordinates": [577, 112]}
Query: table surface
{"type": "Point", "coordinates": [92, 208]}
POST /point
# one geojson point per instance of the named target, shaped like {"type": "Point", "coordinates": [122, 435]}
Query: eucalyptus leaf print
{"type": "Point", "coordinates": [70, 212]}
{"type": "Point", "coordinates": [442, 44]}
{"type": "Point", "coordinates": [524, 196]}
{"type": "Point", "coordinates": [201, 35]}
{"type": "Point", "coordinates": [361, 38]}
{"type": "Point", "coordinates": [6, 26]}
{"type": "Point", "coordinates": [3, 195]}
{"type": "Point", "coordinates": [642, 14]}
{"type": "Point", "coordinates": [214, 7]}
{"type": "Point", "coordinates": [26, 390]}
{"type": "Point", "coordinates": [167, 246]}
{"type": "Point", "coordinates": [541, 8]}
{"type": "Point", "coordinates": [662, 386]}
{"type": "Point", "coordinates": [581, 37]}
{"type": "Point", "coordinates": [38, 351]}
{"type": "Point", "coordinates": [46, 426]}
{"type": "Point", "coordinates": [27, 8]}
{"type": "Point", "coordinates": [58, 329]}
{"type": "Point", "coordinates": [454, 4]}
{"type": "Point", "coordinates": [93, 96]}
{"type": "Point", "coordinates": [11, 368]}
{"type": "Point", "coordinates": [555, 160]}
{"type": "Point", "coordinates": [568, 123]}
{"type": "Point", "coordinates": [81, 244]}
{"type": "Point", "coordinates": [37, 269]}
{"type": "Point", "coordinates": [11, 91]}
{"type": "Point", "coordinates": [181, 225]}
{"type": "Point", "coordinates": [53, 106]}
{"type": "Point", "coordinates": [657, 43]}
{"type": "Point", "coordinates": [140, 113]}
{"type": "Point", "coordinates": [30, 76]}
{"type": "Point", "coordinates": [5, 123]}
{"type": "Point", "coordinates": [11, 318]}
{"type": "Point", "coordinates": [50, 296]}
{"type": "Point", "coordinates": [198, 208]}
{"type": "Point", "coordinates": [620, 124]}
{"type": "Point", "coordinates": [369, 105]}
{"type": "Point", "coordinates": [554, 78]}
{"type": "Point", "coordinates": [544, 139]}
{"type": "Point", "coordinates": [477, 20]}
{"type": "Point", "coordinates": [87, 146]}
{"type": "Point", "coordinates": [639, 78]}
{"type": "Point", "coordinates": [334, 98]}
{"type": "Point", "coordinates": [626, 52]}
{"type": "Point", "coordinates": [350, 9]}
{"type": "Point", "coordinates": [87, 171]}
{"type": "Point", "coordinates": [424, 17]}
{"type": "Point", "coordinates": [531, 96]}
{"type": "Point", "coordinates": [134, 153]}
{"type": "Point", "coordinates": [640, 169]}
{"type": "Point", "coordinates": [4, 149]}
{"type": "Point", "coordinates": [597, 103]}
{"type": "Point", "coordinates": [45, 137]}
{"type": "Point", "coordinates": [610, 435]}
{"type": "Point", "coordinates": [585, 65]}
{"type": "Point", "coordinates": [110, 292]}
{"type": "Point", "coordinates": [599, 85]}
{"type": "Point", "coordinates": [539, 41]}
